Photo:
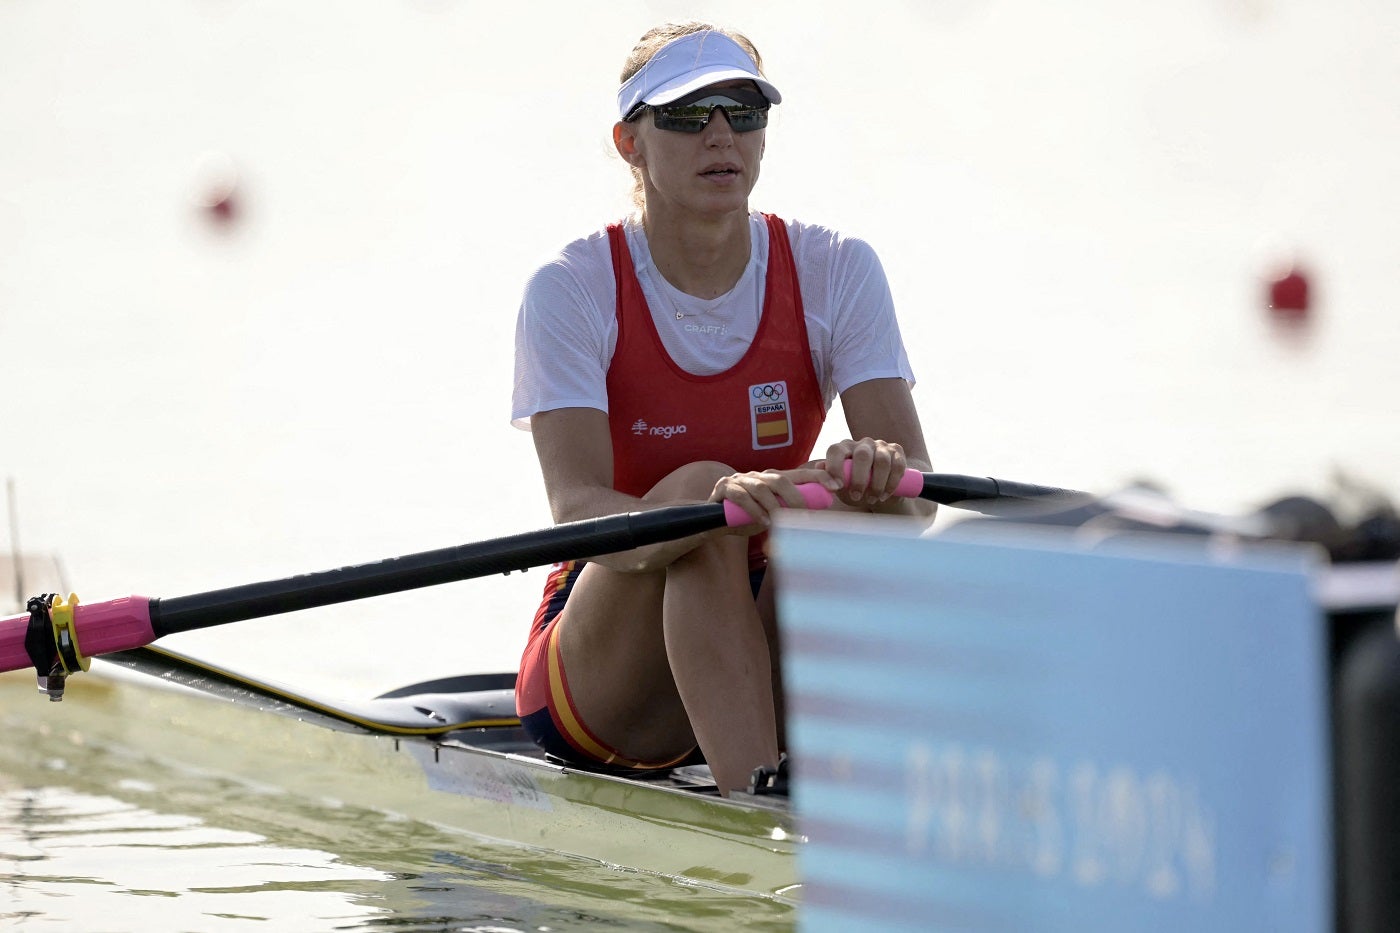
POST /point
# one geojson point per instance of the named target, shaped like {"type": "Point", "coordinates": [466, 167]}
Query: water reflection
{"type": "Point", "coordinates": [91, 839]}
{"type": "Point", "coordinates": [103, 863]}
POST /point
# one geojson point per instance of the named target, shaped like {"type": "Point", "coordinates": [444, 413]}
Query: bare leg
{"type": "Point", "coordinates": [719, 657]}
{"type": "Point", "coordinates": [659, 661]}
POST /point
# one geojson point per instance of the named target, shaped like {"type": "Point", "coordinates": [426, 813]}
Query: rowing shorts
{"type": "Point", "coordinates": [542, 699]}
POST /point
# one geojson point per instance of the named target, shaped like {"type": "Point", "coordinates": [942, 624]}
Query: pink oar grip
{"type": "Point", "coordinates": [819, 497]}
{"type": "Point", "coordinates": [12, 654]}
{"type": "Point", "coordinates": [101, 628]}
{"type": "Point", "coordinates": [116, 625]}
{"type": "Point", "coordinates": [815, 495]}
{"type": "Point", "coordinates": [911, 485]}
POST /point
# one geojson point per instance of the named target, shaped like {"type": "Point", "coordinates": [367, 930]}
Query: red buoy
{"type": "Point", "coordinates": [1289, 293]}
{"type": "Point", "coordinates": [216, 191]}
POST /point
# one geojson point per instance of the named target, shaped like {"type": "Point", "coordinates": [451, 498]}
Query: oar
{"type": "Point", "coordinates": [57, 638]}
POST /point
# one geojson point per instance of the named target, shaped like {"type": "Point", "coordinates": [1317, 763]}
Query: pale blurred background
{"type": "Point", "coordinates": [260, 262]}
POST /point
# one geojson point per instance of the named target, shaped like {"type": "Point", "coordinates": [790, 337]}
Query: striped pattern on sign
{"type": "Point", "coordinates": [1006, 733]}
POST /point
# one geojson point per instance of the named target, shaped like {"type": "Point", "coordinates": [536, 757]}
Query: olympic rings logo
{"type": "Point", "coordinates": [772, 392]}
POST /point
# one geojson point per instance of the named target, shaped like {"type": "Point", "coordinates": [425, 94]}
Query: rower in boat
{"type": "Point", "coordinates": [689, 353]}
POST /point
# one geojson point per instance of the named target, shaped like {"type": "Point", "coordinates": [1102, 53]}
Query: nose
{"type": "Point", "coordinates": [717, 128]}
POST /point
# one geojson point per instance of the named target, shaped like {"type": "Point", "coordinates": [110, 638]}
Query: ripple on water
{"type": "Point", "coordinates": [92, 839]}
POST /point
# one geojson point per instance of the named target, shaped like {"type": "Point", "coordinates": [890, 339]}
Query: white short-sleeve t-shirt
{"type": "Point", "coordinates": [567, 327]}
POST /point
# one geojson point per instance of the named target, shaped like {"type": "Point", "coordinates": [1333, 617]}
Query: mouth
{"type": "Point", "coordinates": [721, 172]}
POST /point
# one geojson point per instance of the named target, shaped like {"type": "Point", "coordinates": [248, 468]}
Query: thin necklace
{"type": "Point", "coordinates": [711, 304]}
{"type": "Point", "coordinates": [664, 286]}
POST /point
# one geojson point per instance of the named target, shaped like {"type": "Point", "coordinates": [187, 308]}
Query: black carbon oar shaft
{"type": "Point", "coordinates": [568, 541]}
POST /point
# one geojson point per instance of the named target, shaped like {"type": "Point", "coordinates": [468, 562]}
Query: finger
{"type": "Point", "coordinates": [879, 478]}
{"type": "Point", "coordinates": [862, 457]}
{"type": "Point", "coordinates": [836, 456]}
{"type": "Point", "coordinates": [795, 488]}
{"type": "Point", "coordinates": [760, 494]}
{"type": "Point", "coordinates": [886, 470]}
{"type": "Point", "coordinates": [758, 519]}
{"type": "Point", "coordinates": [815, 474]}
{"type": "Point", "coordinates": [773, 493]}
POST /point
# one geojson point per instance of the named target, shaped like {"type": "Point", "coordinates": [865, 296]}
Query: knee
{"type": "Point", "coordinates": [692, 481]}
{"type": "Point", "coordinates": [717, 557]}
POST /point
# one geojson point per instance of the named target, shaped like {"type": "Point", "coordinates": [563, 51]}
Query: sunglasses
{"type": "Point", "coordinates": [692, 116]}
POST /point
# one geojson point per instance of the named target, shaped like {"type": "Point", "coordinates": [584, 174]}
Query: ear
{"type": "Point", "coordinates": [625, 141]}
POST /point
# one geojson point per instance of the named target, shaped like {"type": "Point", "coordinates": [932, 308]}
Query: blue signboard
{"type": "Point", "coordinates": [1009, 731]}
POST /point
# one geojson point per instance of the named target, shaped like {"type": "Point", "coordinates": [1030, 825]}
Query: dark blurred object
{"type": "Point", "coordinates": [1366, 756]}
{"type": "Point", "coordinates": [221, 208]}
{"type": "Point", "coordinates": [1374, 536]}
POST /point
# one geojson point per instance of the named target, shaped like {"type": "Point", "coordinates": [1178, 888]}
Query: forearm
{"type": "Point", "coordinates": [580, 505]}
{"type": "Point", "coordinates": [884, 409]}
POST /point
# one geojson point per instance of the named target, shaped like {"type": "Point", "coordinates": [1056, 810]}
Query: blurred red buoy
{"type": "Point", "coordinates": [216, 189]}
{"type": "Point", "coordinates": [1289, 293]}
{"type": "Point", "coordinates": [221, 209]}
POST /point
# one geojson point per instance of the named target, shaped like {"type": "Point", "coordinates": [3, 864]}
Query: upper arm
{"type": "Point", "coordinates": [574, 446]}
{"type": "Point", "coordinates": [565, 333]}
{"type": "Point", "coordinates": [864, 329]}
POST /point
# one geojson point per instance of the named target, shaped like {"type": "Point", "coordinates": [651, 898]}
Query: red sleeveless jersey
{"type": "Point", "coordinates": [764, 412]}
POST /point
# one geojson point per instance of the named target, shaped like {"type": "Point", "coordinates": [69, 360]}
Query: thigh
{"type": "Point", "coordinates": [547, 700]}
{"type": "Point", "coordinates": [612, 645]}
{"type": "Point", "coordinates": [613, 650]}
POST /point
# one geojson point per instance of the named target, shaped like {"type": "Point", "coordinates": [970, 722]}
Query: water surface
{"type": "Point", "coordinates": [98, 840]}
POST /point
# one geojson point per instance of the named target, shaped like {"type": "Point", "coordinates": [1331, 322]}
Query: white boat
{"type": "Point", "coordinates": [448, 753]}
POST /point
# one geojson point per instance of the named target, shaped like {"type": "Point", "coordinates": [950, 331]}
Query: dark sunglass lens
{"type": "Point", "coordinates": [688, 119]}
{"type": "Point", "coordinates": [692, 118]}
{"type": "Point", "coordinates": [747, 119]}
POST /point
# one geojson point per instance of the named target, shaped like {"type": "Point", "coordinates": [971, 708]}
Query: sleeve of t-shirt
{"type": "Point", "coordinates": [561, 345]}
{"type": "Point", "coordinates": [865, 339]}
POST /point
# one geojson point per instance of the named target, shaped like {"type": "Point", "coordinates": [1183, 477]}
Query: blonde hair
{"type": "Point", "coordinates": [649, 44]}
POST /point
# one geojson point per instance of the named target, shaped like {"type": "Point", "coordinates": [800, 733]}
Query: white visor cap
{"type": "Point", "coordinates": [687, 64]}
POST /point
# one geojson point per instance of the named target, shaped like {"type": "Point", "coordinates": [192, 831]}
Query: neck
{"type": "Point", "coordinates": [701, 257]}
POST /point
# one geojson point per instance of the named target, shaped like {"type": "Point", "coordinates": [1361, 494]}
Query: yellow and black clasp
{"type": "Point", "coordinates": [52, 642]}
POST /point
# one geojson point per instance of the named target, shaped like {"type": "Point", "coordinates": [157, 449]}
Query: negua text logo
{"type": "Point", "coordinates": [640, 427]}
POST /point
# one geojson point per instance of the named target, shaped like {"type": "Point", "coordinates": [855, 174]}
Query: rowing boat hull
{"type": "Point", "coordinates": [485, 782]}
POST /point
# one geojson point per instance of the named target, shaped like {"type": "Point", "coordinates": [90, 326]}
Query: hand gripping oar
{"type": "Point", "coordinates": [58, 637]}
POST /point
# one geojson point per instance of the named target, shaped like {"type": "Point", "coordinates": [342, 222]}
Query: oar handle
{"type": "Point", "coordinates": [101, 628]}
{"type": "Point", "coordinates": [967, 492]}
{"type": "Point", "coordinates": [817, 496]}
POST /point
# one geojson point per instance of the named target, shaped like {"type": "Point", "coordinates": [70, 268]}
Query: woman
{"type": "Point", "coordinates": [690, 354]}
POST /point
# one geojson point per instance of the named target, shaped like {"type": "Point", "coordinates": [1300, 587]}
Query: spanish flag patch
{"type": "Point", "coordinates": [770, 415]}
